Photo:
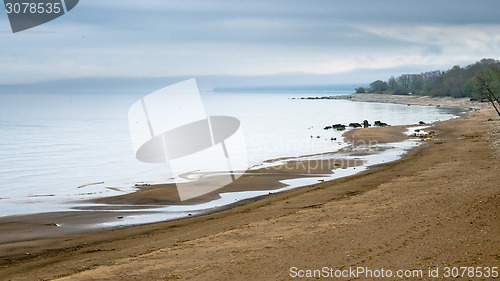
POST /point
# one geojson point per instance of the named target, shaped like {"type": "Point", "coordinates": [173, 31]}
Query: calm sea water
{"type": "Point", "coordinates": [57, 148]}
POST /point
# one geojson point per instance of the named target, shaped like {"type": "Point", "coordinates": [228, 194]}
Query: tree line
{"type": "Point", "coordinates": [457, 82]}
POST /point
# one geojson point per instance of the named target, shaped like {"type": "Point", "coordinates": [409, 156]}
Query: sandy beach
{"type": "Point", "coordinates": [438, 206]}
{"type": "Point", "coordinates": [415, 100]}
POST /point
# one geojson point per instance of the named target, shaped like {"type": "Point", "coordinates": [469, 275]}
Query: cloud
{"type": "Point", "coordinates": [432, 50]}
{"type": "Point", "coordinates": [472, 36]}
{"type": "Point", "coordinates": [189, 37]}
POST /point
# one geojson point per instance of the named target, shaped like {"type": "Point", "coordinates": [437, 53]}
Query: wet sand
{"type": "Point", "coordinates": [374, 135]}
{"type": "Point", "coordinates": [268, 178]}
{"type": "Point", "coordinates": [94, 216]}
{"type": "Point", "coordinates": [438, 206]}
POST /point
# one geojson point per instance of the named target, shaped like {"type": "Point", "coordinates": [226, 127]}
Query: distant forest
{"type": "Point", "coordinates": [456, 82]}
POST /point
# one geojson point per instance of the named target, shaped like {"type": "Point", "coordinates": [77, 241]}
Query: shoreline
{"type": "Point", "coordinates": [112, 212]}
{"type": "Point", "coordinates": [149, 202]}
{"type": "Point", "coordinates": [451, 102]}
{"type": "Point", "coordinates": [108, 213]}
{"type": "Point", "coordinates": [53, 248]}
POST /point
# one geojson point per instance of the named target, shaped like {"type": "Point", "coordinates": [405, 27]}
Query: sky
{"type": "Point", "coordinates": [158, 38]}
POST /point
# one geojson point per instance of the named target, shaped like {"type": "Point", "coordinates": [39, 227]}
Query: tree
{"type": "Point", "coordinates": [379, 86]}
{"type": "Point", "coordinates": [431, 79]}
{"type": "Point", "coordinates": [417, 83]}
{"type": "Point", "coordinates": [401, 91]}
{"type": "Point", "coordinates": [393, 84]}
{"type": "Point", "coordinates": [469, 87]}
{"type": "Point", "coordinates": [456, 82]}
{"type": "Point", "coordinates": [488, 85]}
{"type": "Point", "coordinates": [360, 90]}
{"type": "Point", "coordinates": [404, 80]}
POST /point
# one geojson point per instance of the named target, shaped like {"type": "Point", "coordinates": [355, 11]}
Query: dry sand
{"type": "Point", "coordinates": [494, 135]}
{"type": "Point", "coordinates": [438, 206]}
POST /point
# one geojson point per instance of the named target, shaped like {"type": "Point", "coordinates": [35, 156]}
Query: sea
{"type": "Point", "coordinates": [59, 150]}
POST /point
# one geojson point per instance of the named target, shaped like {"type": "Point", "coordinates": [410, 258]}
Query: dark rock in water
{"type": "Point", "coordinates": [333, 139]}
{"type": "Point", "coordinates": [355, 125]}
{"type": "Point", "coordinates": [380, 124]}
{"type": "Point", "coordinates": [421, 122]}
{"type": "Point", "coordinates": [366, 124]}
{"type": "Point", "coordinates": [327, 128]}
{"type": "Point", "coordinates": [339, 127]}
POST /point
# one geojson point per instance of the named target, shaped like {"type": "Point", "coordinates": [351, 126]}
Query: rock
{"type": "Point", "coordinates": [425, 136]}
{"type": "Point", "coordinates": [355, 125]}
{"type": "Point", "coordinates": [333, 139]}
{"type": "Point", "coordinates": [421, 122]}
{"type": "Point", "coordinates": [339, 127]}
{"type": "Point", "coordinates": [327, 127]}
{"type": "Point", "coordinates": [380, 124]}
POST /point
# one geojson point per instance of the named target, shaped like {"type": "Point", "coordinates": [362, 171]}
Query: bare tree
{"type": "Point", "coordinates": [404, 80]}
{"type": "Point", "coordinates": [488, 85]}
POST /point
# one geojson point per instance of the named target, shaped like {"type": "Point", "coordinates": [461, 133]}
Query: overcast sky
{"type": "Point", "coordinates": [152, 38]}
